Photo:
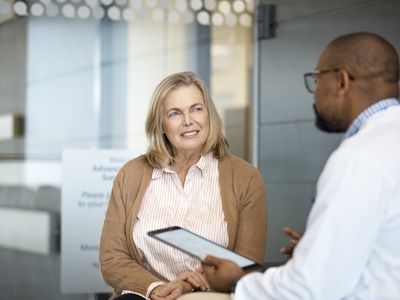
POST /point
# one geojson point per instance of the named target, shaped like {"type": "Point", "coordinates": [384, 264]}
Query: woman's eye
{"type": "Point", "coordinates": [173, 114]}
{"type": "Point", "coordinates": [197, 108]}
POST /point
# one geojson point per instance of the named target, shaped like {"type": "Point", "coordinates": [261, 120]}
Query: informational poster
{"type": "Point", "coordinates": [87, 177]}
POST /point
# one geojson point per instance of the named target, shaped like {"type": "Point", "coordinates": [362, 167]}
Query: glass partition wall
{"type": "Point", "coordinates": [79, 74]}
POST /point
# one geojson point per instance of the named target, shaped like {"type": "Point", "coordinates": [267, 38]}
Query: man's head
{"type": "Point", "coordinates": [353, 72]}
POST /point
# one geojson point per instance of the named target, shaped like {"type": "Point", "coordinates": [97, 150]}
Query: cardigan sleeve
{"type": "Point", "coordinates": [119, 266]}
{"type": "Point", "coordinates": [251, 231]}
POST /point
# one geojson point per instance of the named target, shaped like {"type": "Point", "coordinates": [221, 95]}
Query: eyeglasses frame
{"type": "Point", "coordinates": [314, 75]}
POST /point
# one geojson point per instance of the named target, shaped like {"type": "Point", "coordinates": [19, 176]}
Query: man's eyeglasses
{"type": "Point", "coordinates": [311, 79]}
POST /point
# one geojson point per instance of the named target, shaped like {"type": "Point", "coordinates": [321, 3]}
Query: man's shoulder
{"type": "Point", "coordinates": [380, 134]}
{"type": "Point", "coordinates": [376, 145]}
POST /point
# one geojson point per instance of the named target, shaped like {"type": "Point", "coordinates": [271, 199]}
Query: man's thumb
{"type": "Point", "coordinates": [210, 260]}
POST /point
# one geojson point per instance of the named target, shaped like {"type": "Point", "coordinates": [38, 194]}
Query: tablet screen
{"type": "Point", "coordinates": [197, 246]}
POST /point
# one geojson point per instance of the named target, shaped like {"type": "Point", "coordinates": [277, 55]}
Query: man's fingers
{"type": "Point", "coordinates": [291, 232]}
{"type": "Point", "coordinates": [283, 250]}
{"type": "Point", "coordinates": [208, 269]}
{"type": "Point", "coordinates": [210, 260]}
{"type": "Point", "coordinates": [286, 250]}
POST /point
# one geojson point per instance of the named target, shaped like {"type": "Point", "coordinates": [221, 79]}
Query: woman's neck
{"type": "Point", "coordinates": [183, 163]}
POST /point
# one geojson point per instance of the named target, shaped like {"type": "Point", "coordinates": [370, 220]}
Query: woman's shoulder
{"type": "Point", "coordinates": [135, 166]}
{"type": "Point", "coordinates": [237, 164]}
{"type": "Point", "coordinates": [239, 173]}
{"type": "Point", "coordinates": [139, 161]}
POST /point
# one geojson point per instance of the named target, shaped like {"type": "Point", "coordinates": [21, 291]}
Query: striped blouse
{"type": "Point", "coordinates": [196, 206]}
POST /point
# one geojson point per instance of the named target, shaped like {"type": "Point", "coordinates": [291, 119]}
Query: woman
{"type": "Point", "coordinates": [187, 178]}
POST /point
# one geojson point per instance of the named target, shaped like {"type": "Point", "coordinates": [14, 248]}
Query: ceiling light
{"type": "Point", "coordinates": [203, 18]}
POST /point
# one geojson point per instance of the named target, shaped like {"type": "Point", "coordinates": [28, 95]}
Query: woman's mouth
{"type": "Point", "coordinates": [190, 133]}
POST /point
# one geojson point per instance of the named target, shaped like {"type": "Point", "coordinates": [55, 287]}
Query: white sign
{"type": "Point", "coordinates": [86, 185]}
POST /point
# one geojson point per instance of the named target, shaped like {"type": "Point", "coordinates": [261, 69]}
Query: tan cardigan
{"type": "Point", "coordinates": [243, 202]}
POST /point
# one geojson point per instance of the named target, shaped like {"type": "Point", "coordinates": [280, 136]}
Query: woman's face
{"type": "Point", "coordinates": [185, 120]}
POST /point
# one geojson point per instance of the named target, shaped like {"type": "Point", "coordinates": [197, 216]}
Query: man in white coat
{"type": "Point", "coordinates": [351, 246]}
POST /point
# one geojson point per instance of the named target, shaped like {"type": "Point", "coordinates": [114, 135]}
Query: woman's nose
{"type": "Point", "coordinates": [187, 121]}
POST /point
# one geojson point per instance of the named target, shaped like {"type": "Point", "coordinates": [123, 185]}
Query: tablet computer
{"type": "Point", "coordinates": [196, 246]}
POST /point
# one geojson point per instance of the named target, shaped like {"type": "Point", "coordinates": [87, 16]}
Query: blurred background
{"type": "Point", "coordinates": [79, 74]}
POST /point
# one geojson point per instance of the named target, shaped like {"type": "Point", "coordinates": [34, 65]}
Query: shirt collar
{"type": "Point", "coordinates": [203, 163]}
{"type": "Point", "coordinates": [364, 116]}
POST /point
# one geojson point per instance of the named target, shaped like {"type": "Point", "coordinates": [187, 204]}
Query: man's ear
{"type": "Point", "coordinates": [343, 82]}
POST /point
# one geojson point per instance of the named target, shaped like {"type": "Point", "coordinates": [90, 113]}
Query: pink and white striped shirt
{"type": "Point", "coordinates": [196, 206]}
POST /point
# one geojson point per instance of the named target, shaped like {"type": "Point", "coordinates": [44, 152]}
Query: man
{"type": "Point", "coordinates": [351, 246]}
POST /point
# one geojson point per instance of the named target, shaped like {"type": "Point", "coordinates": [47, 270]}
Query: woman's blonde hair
{"type": "Point", "coordinates": [160, 152]}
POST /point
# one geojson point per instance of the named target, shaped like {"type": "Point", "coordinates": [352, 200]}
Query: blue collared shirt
{"type": "Point", "coordinates": [378, 106]}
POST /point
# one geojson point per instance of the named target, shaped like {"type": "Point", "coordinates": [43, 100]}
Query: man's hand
{"type": "Point", "coordinates": [221, 274]}
{"type": "Point", "coordinates": [171, 290]}
{"type": "Point", "coordinates": [295, 238]}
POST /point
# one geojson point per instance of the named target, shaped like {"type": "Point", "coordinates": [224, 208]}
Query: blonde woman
{"type": "Point", "coordinates": [187, 178]}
